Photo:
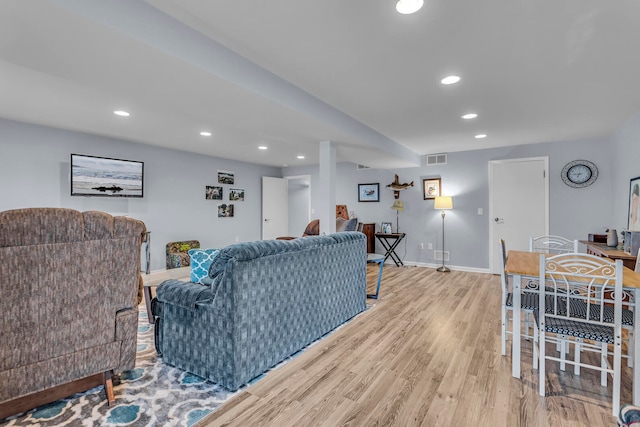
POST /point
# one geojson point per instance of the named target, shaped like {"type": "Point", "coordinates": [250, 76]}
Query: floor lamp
{"type": "Point", "coordinates": [443, 202]}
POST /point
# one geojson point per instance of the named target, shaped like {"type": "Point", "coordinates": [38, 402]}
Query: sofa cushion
{"type": "Point", "coordinates": [201, 260]}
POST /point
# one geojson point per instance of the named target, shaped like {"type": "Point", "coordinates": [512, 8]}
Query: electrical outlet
{"type": "Point", "coordinates": [421, 246]}
{"type": "Point", "coordinates": [430, 246]}
{"type": "Point", "coordinates": [237, 239]}
{"type": "Point", "coordinates": [479, 211]}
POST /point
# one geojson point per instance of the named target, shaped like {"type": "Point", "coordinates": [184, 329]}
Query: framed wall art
{"type": "Point", "coordinates": [431, 188]}
{"type": "Point", "coordinates": [236, 194]}
{"type": "Point", "coordinates": [634, 204]}
{"type": "Point", "coordinates": [213, 192]}
{"type": "Point", "coordinates": [226, 177]}
{"type": "Point", "coordinates": [225, 210]}
{"type": "Point", "coordinates": [369, 192]}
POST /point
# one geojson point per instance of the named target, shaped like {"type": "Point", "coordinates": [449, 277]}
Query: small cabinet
{"type": "Point", "coordinates": [369, 230]}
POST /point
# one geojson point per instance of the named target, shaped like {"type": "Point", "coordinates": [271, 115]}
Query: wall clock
{"type": "Point", "coordinates": [579, 173]}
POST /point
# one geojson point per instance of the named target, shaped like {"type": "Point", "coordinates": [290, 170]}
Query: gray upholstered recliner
{"type": "Point", "coordinates": [69, 288]}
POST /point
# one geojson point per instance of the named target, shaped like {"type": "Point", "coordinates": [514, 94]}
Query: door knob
{"type": "Point", "coordinates": [266, 220]}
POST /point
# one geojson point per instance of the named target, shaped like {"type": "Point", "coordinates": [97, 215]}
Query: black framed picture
{"type": "Point", "coordinates": [634, 204]}
{"type": "Point", "coordinates": [369, 192]}
{"type": "Point", "coordinates": [431, 188]}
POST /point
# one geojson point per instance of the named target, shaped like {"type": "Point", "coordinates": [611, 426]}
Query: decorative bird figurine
{"type": "Point", "coordinates": [396, 187]}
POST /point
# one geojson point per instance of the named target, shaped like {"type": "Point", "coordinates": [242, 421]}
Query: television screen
{"type": "Point", "coordinates": [101, 176]}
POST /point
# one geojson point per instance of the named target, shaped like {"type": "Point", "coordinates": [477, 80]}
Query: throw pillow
{"type": "Point", "coordinates": [201, 259]}
{"type": "Point", "coordinates": [346, 224]}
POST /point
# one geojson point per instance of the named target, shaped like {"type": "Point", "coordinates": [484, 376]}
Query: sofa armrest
{"type": "Point", "coordinates": [183, 294]}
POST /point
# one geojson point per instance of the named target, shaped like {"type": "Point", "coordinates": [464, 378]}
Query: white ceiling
{"type": "Point", "coordinates": [290, 73]}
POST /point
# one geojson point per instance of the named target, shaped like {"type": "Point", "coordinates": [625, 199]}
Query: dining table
{"type": "Point", "coordinates": [522, 265]}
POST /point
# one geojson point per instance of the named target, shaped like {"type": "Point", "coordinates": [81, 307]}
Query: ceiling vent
{"type": "Point", "coordinates": [436, 159]}
{"type": "Point", "coordinates": [361, 167]}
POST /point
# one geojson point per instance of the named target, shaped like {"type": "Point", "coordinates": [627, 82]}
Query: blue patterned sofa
{"type": "Point", "coordinates": [268, 299]}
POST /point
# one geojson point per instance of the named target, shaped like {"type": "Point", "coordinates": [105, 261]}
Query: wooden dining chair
{"type": "Point", "coordinates": [586, 295]}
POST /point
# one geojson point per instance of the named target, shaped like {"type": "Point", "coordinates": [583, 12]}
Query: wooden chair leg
{"type": "Point", "coordinates": [108, 388]}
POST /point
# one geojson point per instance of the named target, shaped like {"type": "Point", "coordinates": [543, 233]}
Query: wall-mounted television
{"type": "Point", "coordinates": [102, 176]}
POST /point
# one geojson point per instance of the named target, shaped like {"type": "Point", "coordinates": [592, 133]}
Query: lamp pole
{"type": "Point", "coordinates": [443, 202]}
{"type": "Point", "coordinates": [443, 268]}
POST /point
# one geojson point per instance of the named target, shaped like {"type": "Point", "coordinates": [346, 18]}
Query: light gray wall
{"type": "Point", "coordinates": [573, 212]}
{"type": "Point", "coordinates": [35, 173]}
{"type": "Point", "coordinates": [299, 195]}
{"type": "Point", "coordinates": [627, 166]}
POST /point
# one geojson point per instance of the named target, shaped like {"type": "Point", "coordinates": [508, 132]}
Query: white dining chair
{"type": "Point", "coordinates": [528, 302]}
{"type": "Point", "coordinates": [585, 293]}
{"type": "Point", "coordinates": [553, 245]}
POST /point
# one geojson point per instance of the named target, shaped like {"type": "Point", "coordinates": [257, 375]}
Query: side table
{"type": "Point", "coordinates": [390, 242]}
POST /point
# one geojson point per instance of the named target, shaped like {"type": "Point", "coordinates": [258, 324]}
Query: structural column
{"type": "Point", "coordinates": [327, 206]}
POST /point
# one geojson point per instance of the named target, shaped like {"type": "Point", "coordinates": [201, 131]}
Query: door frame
{"type": "Point", "coordinates": [492, 244]}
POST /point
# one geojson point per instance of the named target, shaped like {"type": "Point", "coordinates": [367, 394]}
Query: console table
{"type": "Point", "coordinates": [602, 250]}
{"type": "Point", "coordinates": [390, 242]}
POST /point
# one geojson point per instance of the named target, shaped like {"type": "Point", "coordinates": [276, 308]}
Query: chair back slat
{"type": "Point", "coordinates": [552, 245]}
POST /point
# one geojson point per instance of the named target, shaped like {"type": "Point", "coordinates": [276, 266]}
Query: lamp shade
{"type": "Point", "coordinates": [409, 6]}
{"type": "Point", "coordinates": [443, 202]}
{"type": "Point", "coordinates": [397, 205]}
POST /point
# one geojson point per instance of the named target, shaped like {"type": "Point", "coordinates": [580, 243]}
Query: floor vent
{"type": "Point", "coordinates": [436, 159]}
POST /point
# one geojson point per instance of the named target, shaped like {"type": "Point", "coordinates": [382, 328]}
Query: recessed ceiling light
{"type": "Point", "coordinates": [301, 157]}
{"type": "Point", "coordinates": [205, 133]}
{"type": "Point", "coordinates": [262, 147]}
{"type": "Point", "coordinates": [470, 116]}
{"type": "Point", "coordinates": [449, 80]}
{"type": "Point", "coordinates": [407, 7]}
{"type": "Point", "coordinates": [481, 135]}
{"type": "Point", "coordinates": [121, 113]}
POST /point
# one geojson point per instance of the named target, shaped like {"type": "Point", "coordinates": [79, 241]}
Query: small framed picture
{"type": "Point", "coordinates": [385, 228]}
{"type": "Point", "coordinates": [236, 194]}
{"type": "Point", "coordinates": [226, 177]}
{"type": "Point", "coordinates": [634, 205]}
{"type": "Point", "coordinates": [431, 188]}
{"type": "Point", "coordinates": [369, 192]}
{"type": "Point", "coordinates": [213, 192]}
{"type": "Point", "coordinates": [225, 210]}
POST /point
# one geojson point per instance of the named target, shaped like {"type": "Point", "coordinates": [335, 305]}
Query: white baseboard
{"type": "Point", "coordinates": [451, 267]}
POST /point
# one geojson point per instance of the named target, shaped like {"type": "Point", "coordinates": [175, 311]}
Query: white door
{"type": "Point", "coordinates": [518, 203]}
{"type": "Point", "coordinates": [275, 207]}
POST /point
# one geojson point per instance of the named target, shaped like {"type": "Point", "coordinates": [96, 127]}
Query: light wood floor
{"type": "Point", "coordinates": [427, 353]}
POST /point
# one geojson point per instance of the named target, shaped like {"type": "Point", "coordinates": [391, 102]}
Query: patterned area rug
{"type": "Point", "coordinates": [152, 394]}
